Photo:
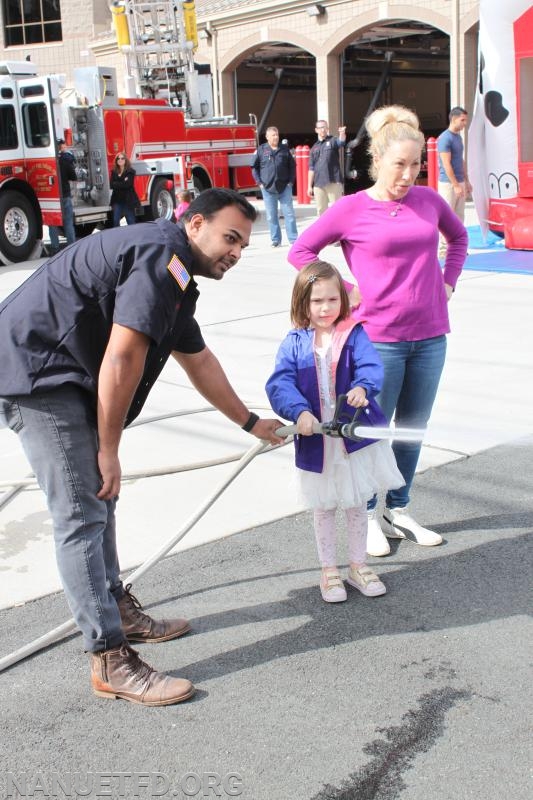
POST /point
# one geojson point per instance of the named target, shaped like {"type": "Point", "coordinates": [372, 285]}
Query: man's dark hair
{"type": "Point", "coordinates": [211, 201]}
{"type": "Point", "coordinates": [457, 111]}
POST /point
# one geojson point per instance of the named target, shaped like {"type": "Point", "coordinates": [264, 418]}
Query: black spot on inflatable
{"type": "Point", "coordinates": [495, 111]}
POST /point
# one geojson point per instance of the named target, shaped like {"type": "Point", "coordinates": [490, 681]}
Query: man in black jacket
{"type": "Point", "coordinates": [67, 173]}
{"type": "Point", "coordinates": [274, 171]}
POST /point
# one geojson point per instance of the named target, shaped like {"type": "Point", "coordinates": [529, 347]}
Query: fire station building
{"type": "Point", "coordinates": [287, 62]}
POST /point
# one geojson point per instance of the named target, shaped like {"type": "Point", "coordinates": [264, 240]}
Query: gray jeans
{"type": "Point", "coordinates": [57, 430]}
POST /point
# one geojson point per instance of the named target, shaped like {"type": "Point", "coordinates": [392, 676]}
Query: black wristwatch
{"type": "Point", "coordinates": [250, 422]}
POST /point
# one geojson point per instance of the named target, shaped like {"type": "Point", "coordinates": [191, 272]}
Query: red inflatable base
{"type": "Point", "coordinates": [519, 234]}
{"type": "Point", "coordinates": [513, 217]}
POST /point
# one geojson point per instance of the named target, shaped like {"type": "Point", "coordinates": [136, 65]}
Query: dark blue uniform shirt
{"type": "Point", "coordinates": [324, 161]}
{"type": "Point", "coordinates": [67, 172]}
{"type": "Point", "coordinates": [55, 327]}
{"type": "Point", "coordinates": [273, 168]}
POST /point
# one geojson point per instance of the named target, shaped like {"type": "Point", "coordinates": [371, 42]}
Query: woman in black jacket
{"type": "Point", "coordinates": [124, 198]}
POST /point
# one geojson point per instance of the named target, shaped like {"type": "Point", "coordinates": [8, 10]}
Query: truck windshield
{"type": "Point", "coordinates": [8, 129]}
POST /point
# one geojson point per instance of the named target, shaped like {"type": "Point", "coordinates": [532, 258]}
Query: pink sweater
{"type": "Point", "coordinates": [181, 208]}
{"type": "Point", "coordinates": [393, 259]}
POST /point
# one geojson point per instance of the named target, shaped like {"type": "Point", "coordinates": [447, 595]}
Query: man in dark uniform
{"type": "Point", "coordinates": [324, 177]}
{"type": "Point", "coordinates": [67, 173]}
{"type": "Point", "coordinates": [274, 171]}
{"type": "Point", "coordinates": [83, 341]}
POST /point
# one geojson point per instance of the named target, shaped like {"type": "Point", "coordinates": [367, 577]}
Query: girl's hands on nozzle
{"type": "Point", "coordinates": [304, 424]}
{"type": "Point", "coordinates": [356, 397]}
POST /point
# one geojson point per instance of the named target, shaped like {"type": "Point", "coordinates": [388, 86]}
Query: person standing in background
{"type": "Point", "coordinates": [453, 183]}
{"type": "Point", "coordinates": [124, 198]}
{"type": "Point", "coordinates": [67, 173]}
{"type": "Point", "coordinates": [185, 199]}
{"type": "Point", "coordinates": [324, 181]}
{"type": "Point", "coordinates": [274, 171]}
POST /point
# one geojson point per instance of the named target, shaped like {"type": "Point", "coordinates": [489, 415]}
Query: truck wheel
{"type": "Point", "coordinates": [162, 200]}
{"type": "Point", "coordinates": [18, 229]}
{"type": "Point", "coordinates": [201, 183]}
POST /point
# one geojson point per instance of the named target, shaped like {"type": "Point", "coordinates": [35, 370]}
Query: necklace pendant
{"type": "Point", "coordinates": [394, 213]}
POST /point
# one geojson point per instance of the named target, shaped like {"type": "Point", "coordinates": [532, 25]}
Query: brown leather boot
{"type": "Point", "coordinates": [121, 673]}
{"type": "Point", "coordinates": [139, 627]}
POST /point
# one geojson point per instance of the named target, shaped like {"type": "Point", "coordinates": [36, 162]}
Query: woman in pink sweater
{"type": "Point", "coordinates": [389, 235]}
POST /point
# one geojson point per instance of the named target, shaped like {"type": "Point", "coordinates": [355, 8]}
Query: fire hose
{"type": "Point", "coordinates": [339, 426]}
{"type": "Point", "coordinates": [70, 626]}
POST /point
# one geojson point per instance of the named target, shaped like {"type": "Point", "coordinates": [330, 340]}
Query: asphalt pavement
{"type": "Point", "coordinates": [423, 693]}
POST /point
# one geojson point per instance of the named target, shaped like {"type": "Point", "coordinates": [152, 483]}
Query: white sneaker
{"type": "Point", "coordinates": [376, 542]}
{"type": "Point", "coordinates": [399, 525]}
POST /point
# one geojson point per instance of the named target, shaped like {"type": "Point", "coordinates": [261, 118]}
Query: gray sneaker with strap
{"type": "Point", "coordinates": [331, 587]}
{"type": "Point", "coordinates": [366, 581]}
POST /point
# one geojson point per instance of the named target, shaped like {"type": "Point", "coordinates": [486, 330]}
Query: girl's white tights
{"type": "Point", "coordinates": [326, 535]}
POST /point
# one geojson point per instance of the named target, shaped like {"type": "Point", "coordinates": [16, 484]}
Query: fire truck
{"type": "Point", "coordinates": [167, 131]}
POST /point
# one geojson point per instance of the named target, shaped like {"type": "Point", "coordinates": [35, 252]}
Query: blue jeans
{"type": "Point", "coordinates": [412, 375]}
{"type": "Point", "coordinates": [57, 430]}
{"type": "Point", "coordinates": [271, 207]}
{"type": "Point", "coordinates": [122, 210]}
{"type": "Point", "coordinates": [67, 209]}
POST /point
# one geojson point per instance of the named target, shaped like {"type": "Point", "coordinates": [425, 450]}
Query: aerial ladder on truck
{"type": "Point", "coordinates": [158, 39]}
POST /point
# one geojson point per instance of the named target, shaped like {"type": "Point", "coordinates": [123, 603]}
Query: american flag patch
{"type": "Point", "coordinates": [180, 274]}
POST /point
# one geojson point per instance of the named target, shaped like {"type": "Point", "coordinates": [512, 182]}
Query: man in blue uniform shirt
{"type": "Point", "coordinates": [274, 171]}
{"type": "Point", "coordinates": [83, 341]}
{"type": "Point", "coordinates": [324, 178]}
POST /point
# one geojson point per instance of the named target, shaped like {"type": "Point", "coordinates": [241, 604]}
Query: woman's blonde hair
{"type": "Point", "coordinates": [390, 124]}
{"type": "Point", "coordinates": [303, 285]}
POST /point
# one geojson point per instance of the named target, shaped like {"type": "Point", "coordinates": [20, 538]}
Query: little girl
{"type": "Point", "coordinates": [184, 201]}
{"type": "Point", "coordinates": [328, 354]}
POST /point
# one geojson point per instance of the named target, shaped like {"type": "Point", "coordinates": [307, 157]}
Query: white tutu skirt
{"type": "Point", "coordinates": [349, 480]}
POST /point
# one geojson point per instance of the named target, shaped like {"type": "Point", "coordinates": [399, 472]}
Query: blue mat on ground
{"type": "Point", "coordinates": [476, 241]}
{"type": "Point", "coordinates": [493, 256]}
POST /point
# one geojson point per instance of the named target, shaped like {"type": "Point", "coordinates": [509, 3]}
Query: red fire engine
{"type": "Point", "coordinates": [167, 132]}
